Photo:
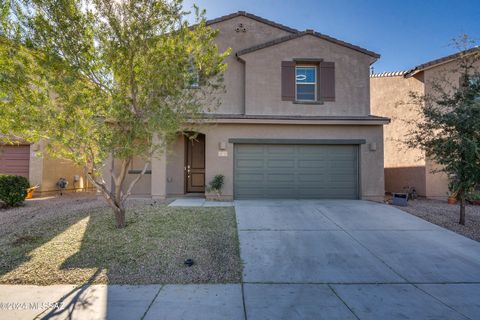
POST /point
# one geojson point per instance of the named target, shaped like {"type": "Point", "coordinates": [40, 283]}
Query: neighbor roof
{"type": "Point", "coordinates": [439, 61]}
{"type": "Point", "coordinates": [295, 34]}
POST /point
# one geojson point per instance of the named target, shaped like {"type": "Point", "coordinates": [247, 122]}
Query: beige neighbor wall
{"type": "Point", "coordinates": [263, 79]}
{"type": "Point", "coordinates": [437, 183]}
{"type": "Point", "coordinates": [390, 98]}
{"type": "Point", "coordinates": [232, 101]}
{"type": "Point", "coordinates": [54, 169]}
{"type": "Point", "coordinates": [45, 171]}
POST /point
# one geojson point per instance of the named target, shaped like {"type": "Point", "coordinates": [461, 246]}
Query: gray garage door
{"type": "Point", "coordinates": [296, 171]}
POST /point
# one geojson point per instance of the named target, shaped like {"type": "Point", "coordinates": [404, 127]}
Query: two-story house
{"type": "Point", "coordinates": [294, 122]}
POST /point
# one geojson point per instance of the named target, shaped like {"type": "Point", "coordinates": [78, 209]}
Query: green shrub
{"type": "Point", "coordinates": [473, 196]}
{"type": "Point", "coordinates": [216, 184]}
{"type": "Point", "coordinates": [13, 189]}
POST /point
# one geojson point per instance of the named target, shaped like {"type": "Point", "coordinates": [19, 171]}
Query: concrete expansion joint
{"type": "Point", "coordinates": [343, 301]}
{"type": "Point", "coordinates": [440, 301]}
{"type": "Point", "coordinates": [153, 300]}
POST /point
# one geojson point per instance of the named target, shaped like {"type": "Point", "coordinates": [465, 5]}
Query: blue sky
{"type": "Point", "coordinates": [405, 32]}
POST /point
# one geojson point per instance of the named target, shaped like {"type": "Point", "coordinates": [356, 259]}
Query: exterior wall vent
{"type": "Point", "coordinates": [241, 28]}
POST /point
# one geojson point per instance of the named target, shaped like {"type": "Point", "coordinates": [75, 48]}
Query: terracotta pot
{"type": "Point", "coordinates": [452, 200]}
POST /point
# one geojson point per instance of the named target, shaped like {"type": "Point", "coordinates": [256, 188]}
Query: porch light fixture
{"type": "Point", "coordinates": [222, 145]}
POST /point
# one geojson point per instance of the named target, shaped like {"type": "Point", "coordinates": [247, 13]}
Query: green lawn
{"type": "Point", "coordinates": [84, 246]}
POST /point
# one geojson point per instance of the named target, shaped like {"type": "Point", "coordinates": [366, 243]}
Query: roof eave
{"type": "Point", "coordinates": [301, 34]}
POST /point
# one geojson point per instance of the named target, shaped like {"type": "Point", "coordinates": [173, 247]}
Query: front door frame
{"type": "Point", "coordinates": [187, 165]}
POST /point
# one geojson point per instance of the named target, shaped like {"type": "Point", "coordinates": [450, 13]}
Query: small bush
{"type": "Point", "coordinates": [217, 183]}
{"type": "Point", "coordinates": [13, 189]}
{"type": "Point", "coordinates": [473, 196]}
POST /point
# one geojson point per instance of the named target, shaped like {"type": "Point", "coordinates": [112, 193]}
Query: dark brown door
{"type": "Point", "coordinates": [195, 164]}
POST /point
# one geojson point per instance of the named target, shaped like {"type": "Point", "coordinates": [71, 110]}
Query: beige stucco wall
{"type": "Point", "coordinates": [390, 98]}
{"type": "Point", "coordinates": [263, 78]}
{"type": "Point", "coordinates": [232, 101]}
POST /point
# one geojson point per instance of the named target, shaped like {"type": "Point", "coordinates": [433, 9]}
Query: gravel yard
{"type": "Point", "coordinates": [446, 215]}
{"type": "Point", "coordinates": [72, 240]}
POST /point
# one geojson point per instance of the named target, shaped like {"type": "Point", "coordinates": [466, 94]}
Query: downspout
{"type": "Point", "coordinates": [243, 106]}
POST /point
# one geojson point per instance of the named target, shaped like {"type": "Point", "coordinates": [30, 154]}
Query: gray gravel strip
{"type": "Point", "coordinates": [446, 215]}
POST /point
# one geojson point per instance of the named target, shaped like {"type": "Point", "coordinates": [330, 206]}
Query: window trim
{"type": "Point", "coordinates": [315, 84]}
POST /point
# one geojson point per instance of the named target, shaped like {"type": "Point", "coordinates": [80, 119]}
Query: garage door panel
{"type": "Point", "coordinates": [279, 177]}
{"type": "Point", "coordinates": [313, 163]}
{"type": "Point", "coordinates": [252, 149]}
{"type": "Point", "coordinates": [253, 177]}
{"type": "Point", "coordinates": [250, 163]}
{"type": "Point", "coordinates": [278, 163]}
{"type": "Point", "coordinates": [296, 171]}
{"type": "Point", "coordinates": [280, 150]}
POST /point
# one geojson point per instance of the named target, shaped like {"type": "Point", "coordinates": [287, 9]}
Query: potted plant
{"type": "Point", "coordinates": [452, 198]}
{"type": "Point", "coordinates": [215, 186]}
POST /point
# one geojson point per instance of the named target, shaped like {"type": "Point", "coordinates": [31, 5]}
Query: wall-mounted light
{"type": "Point", "coordinates": [222, 145]}
{"type": "Point", "coordinates": [373, 146]}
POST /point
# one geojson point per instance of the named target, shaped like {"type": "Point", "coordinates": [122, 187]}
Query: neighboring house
{"type": "Point", "coordinates": [295, 121]}
{"type": "Point", "coordinates": [389, 94]}
{"type": "Point", "coordinates": [31, 162]}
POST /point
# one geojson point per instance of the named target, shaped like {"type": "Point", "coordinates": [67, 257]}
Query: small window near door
{"type": "Point", "coordinates": [306, 83]}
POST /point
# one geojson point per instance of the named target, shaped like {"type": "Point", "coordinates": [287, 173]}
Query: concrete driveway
{"type": "Point", "coordinates": [353, 260]}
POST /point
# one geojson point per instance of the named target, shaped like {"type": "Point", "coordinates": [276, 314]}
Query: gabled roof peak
{"type": "Point", "coordinates": [254, 17]}
{"type": "Point", "coordinates": [294, 34]}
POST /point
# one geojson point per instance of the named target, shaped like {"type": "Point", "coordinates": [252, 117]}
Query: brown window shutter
{"type": "Point", "coordinates": [326, 83]}
{"type": "Point", "coordinates": [288, 80]}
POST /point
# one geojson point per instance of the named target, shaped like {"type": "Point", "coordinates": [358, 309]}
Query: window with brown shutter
{"type": "Point", "coordinates": [303, 85]}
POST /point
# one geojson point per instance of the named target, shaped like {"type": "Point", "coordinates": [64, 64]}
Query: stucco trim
{"type": "Point", "coordinates": [301, 34]}
{"type": "Point", "coordinates": [297, 141]}
{"type": "Point", "coordinates": [299, 120]}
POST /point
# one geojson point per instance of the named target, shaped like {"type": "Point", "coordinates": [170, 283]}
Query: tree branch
{"type": "Point", "coordinates": [134, 182]}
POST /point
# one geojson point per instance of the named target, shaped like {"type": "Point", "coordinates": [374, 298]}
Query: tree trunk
{"type": "Point", "coordinates": [116, 198]}
{"type": "Point", "coordinates": [119, 217]}
{"type": "Point", "coordinates": [461, 195]}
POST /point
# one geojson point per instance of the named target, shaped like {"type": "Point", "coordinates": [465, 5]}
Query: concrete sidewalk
{"type": "Point", "coordinates": [116, 302]}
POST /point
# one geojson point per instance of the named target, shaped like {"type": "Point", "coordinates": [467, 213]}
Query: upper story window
{"type": "Point", "coordinates": [306, 83]}
{"type": "Point", "coordinates": [194, 78]}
